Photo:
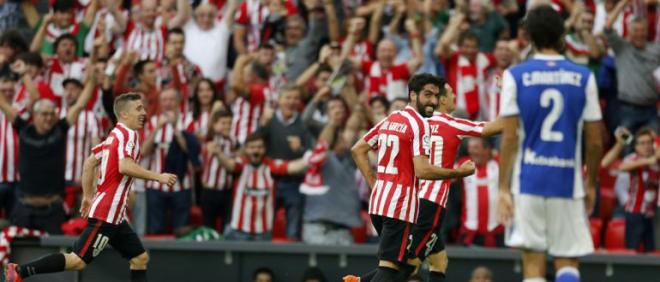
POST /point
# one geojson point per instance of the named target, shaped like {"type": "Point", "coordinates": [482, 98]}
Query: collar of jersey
{"type": "Point", "coordinates": [548, 57]}
{"type": "Point", "coordinates": [411, 109]}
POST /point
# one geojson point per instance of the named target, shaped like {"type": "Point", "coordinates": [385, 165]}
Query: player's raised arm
{"type": "Point", "coordinates": [360, 152]}
{"type": "Point", "coordinates": [127, 166]}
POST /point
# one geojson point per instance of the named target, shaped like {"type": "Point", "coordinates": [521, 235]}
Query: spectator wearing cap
{"type": "Point", "coordinates": [81, 136]}
{"type": "Point", "coordinates": [61, 21]}
{"type": "Point", "coordinates": [637, 59]}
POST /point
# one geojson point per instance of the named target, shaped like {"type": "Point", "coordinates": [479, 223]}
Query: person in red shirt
{"type": "Point", "coordinates": [251, 18]}
{"type": "Point", "coordinates": [32, 86]}
{"type": "Point", "coordinates": [104, 206]}
{"type": "Point", "coordinates": [642, 166]}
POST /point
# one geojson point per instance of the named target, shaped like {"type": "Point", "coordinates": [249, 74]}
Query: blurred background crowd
{"type": "Point", "coordinates": [255, 104]}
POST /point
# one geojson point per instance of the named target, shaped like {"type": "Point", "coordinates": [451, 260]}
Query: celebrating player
{"type": "Point", "coordinates": [546, 104]}
{"type": "Point", "coordinates": [118, 156]}
{"type": "Point", "coordinates": [447, 133]}
{"type": "Point", "coordinates": [402, 143]}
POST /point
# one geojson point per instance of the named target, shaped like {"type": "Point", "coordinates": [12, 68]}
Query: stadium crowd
{"type": "Point", "coordinates": [255, 105]}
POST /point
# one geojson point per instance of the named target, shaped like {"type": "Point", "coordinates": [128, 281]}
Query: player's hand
{"type": "Point", "coordinates": [167, 179]}
{"type": "Point", "coordinates": [467, 168]}
{"type": "Point", "coordinates": [590, 197]}
{"type": "Point", "coordinates": [85, 205]}
{"type": "Point", "coordinates": [294, 143]}
{"type": "Point", "coordinates": [504, 208]}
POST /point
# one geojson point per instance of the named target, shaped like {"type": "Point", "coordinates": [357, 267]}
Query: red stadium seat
{"type": "Point", "coordinates": [615, 235]}
{"type": "Point", "coordinates": [360, 233]}
{"type": "Point", "coordinates": [596, 226]}
{"type": "Point", "coordinates": [607, 203]}
{"type": "Point", "coordinates": [196, 217]}
{"type": "Point", "coordinates": [279, 226]}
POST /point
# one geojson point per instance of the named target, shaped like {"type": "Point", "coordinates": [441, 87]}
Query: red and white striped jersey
{"type": "Point", "coordinates": [79, 143]}
{"type": "Point", "coordinates": [112, 190]}
{"type": "Point", "coordinates": [398, 138]}
{"type": "Point", "coordinates": [22, 98]}
{"type": "Point", "coordinates": [149, 44]}
{"type": "Point", "coordinates": [8, 151]}
{"type": "Point", "coordinates": [390, 83]}
{"type": "Point", "coordinates": [214, 176]}
{"type": "Point", "coordinates": [446, 135]}
{"type": "Point", "coordinates": [200, 125]}
{"type": "Point", "coordinates": [480, 197]}
{"type": "Point", "coordinates": [247, 112]}
{"type": "Point", "coordinates": [57, 72]}
{"type": "Point", "coordinates": [252, 14]}
{"type": "Point", "coordinates": [643, 189]}
{"type": "Point", "coordinates": [163, 139]}
{"type": "Point", "coordinates": [254, 198]}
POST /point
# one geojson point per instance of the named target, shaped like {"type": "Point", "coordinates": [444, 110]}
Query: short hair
{"type": "Point", "coordinates": [254, 137]}
{"type": "Point", "coordinates": [221, 114]}
{"type": "Point", "coordinates": [63, 6]}
{"type": "Point", "coordinates": [123, 99]}
{"type": "Point", "coordinates": [138, 68]}
{"type": "Point", "coordinates": [382, 100]}
{"type": "Point", "coordinates": [545, 28]}
{"type": "Point", "coordinates": [66, 36]}
{"type": "Point", "coordinates": [42, 103]}
{"type": "Point", "coordinates": [72, 80]}
{"type": "Point", "coordinates": [266, 46]}
{"type": "Point", "coordinates": [262, 269]}
{"type": "Point", "coordinates": [176, 91]}
{"type": "Point", "coordinates": [486, 142]}
{"type": "Point", "coordinates": [32, 59]}
{"type": "Point", "coordinates": [176, 30]}
{"type": "Point", "coordinates": [324, 68]}
{"type": "Point", "coordinates": [418, 81]}
{"type": "Point", "coordinates": [7, 78]}
{"type": "Point", "coordinates": [645, 131]}
{"type": "Point", "coordinates": [314, 273]}
{"type": "Point", "coordinates": [260, 70]}
{"type": "Point", "coordinates": [290, 87]}
{"type": "Point", "coordinates": [14, 40]}
{"type": "Point", "coordinates": [469, 35]}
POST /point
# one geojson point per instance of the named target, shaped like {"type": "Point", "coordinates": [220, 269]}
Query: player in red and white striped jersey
{"type": "Point", "coordinates": [254, 195]}
{"type": "Point", "coordinates": [402, 143]}
{"type": "Point", "coordinates": [479, 218]}
{"type": "Point", "coordinates": [216, 180]}
{"type": "Point", "coordinates": [164, 131]}
{"type": "Point", "coordinates": [116, 159]}
{"type": "Point", "coordinates": [447, 133]}
{"type": "Point", "coordinates": [250, 100]}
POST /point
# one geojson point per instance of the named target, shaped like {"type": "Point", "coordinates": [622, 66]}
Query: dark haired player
{"type": "Point", "coordinates": [548, 105]}
{"type": "Point", "coordinates": [118, 158]}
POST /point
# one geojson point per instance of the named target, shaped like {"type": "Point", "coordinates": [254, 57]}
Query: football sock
{"type": "Point", "coordinates": [568, 274]}
{"type": "Point", "coordinates": [537, 279]}
{"type": "Point", "coordinates": [385, 274]}
{"type": "Point", "coordinates": [368, 276]}
{"type": "Point", "coordinates": [138, 275]}
{"type": "Point", "coordinates": [47, 264]}
{"type": "Point", "coordinates": [435, 276]}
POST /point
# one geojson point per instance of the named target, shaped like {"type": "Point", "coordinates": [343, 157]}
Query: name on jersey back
{"type": "Point", "coordinates": [552, 78]}
{"type": "Point", "coordinates": [395, 126]}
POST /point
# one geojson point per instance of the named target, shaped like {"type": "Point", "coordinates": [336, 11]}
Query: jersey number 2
{"type": "Point", "coordinates": [547, 97]}
{"type": "Point", "coordinates": [385, 142]}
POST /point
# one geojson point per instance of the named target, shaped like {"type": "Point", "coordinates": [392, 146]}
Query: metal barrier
{"type": "Point", "coordinates": [234, 262]}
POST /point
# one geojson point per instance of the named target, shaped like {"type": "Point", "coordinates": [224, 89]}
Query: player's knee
{"type": "Point", "coordinates": [140, 261]}
{"type": "Point", "coordinates": [74, 262]}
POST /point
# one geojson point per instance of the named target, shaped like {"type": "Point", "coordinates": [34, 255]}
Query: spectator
{"type": "Point", "coordinates": [32, 86]}
{"type": "Point", "coordinates": [82, 135]}
{"type": "Point", "coordinates": [636, 58]}
{"type": "Point", "coordinates": [503, 55]}
{"type": "Point", "coordinates": [398, 104]}
{"type": "Point", "coordinates": [204, 32]}
{"type": "Point", "coordinates": [205, 100]}
{"type": "Point", "coordinates": [146, 74]}
{"type": "Point", "coordinates": [316, 112]}
{"type": "Point", "coordinates": [642, 166]}
{"type": "Point", "coordinates": [254, 18]}
{"type": "Point", "coordinates": [582, 47]}
{"type": "Point", "coordinates": [42, 146]}
{"type": "Point", "coordinates": [466, 68]}
{"type": "Point", "coordinates": [11, 12]}
{"type": "Point", "coordinates": [313, 274]}
{"type": "Point", "coordinates": [286, 127]}
{"type": "Point", "coordinates": [217, 182]}
{"type": "Point", "coordinates": [176, 70]}
{"type": "Point", "coordinates": [605, 8]}
{"type": "Point", "coordinates": [263, 274]}
{"type": "Point", "coordinates": [12, 44]}
{"type": "Point", "coordinates": [481, 274]}
{"type": "Point", "coordinates": [164, 132]}
{"type": "Point", "coordinates": [64, 64]}
{"type": "Point", "coordinates": [487, 24]}
{"type": "Point", "coordinates": [332, 204]}
{"type": "Point", "coordinates": [380, 108]}
{"type": "Point", "coordinates": [253, 206]}
{"type": "Point", "coordinates": [62, 21]}
{"type": "Point", "coordinates": [248, 96]}
{"type": "Point", "coordinates": [479, 223]}
{"type": "Point", "coordinates": [109, 23]}
{"type": "Point", "coordinates": [9, 160]}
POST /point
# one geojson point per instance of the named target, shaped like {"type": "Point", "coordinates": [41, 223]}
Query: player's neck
{"type": "Point", "coordinates": [443, 110]}
{"type": "Point", "coordinates": [547, 51]}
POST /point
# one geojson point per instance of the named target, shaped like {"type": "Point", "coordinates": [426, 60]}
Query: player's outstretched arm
{"type": "Point", "coordinates": [89, 167]}
{"type": "Point", "coordinates": [297, 166]}
{"type": "Point", "coordinates": [493, 128]}
{"type": "Point", "coordinates": [425, 170]}
{"type": "Point", "coordinates": [127, 166]}
{"type": "Point", "coordinates": [85, 95]}
{"type": "Point", "coordinates": [360, 152]}
{"type": "Point", "coordinates": [508, 149]}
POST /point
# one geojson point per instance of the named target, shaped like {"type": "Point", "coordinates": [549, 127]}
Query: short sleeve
{"type": "Point", "coordinates": [372, 136]}
{"type": "Point", "coordinates": [508, 100]}
{"type": "Point", "coordinates": [469, 128]}
{"type": "Point", "coordinates": [278, 167]}
{"type": "Point", "coordinates": [421, 138]}
{"type": "Point", "coordinates": [126, 146]}
{"type": "Point", "coordinates": [97, 151]}
{"type": "Point", "coordinates": [592, 107]}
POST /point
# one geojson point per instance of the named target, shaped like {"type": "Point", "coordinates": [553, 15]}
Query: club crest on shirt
{"type": "Point", "coordinates": [129, 145]}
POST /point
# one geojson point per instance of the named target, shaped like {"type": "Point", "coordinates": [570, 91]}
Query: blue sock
{"type": "Point", "coordinates": [568, 274]}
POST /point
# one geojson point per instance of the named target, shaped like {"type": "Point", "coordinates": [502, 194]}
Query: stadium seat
{"type": "Point", "coordinates": [615, 235]}
{"type": "Point", "coordinates": [279, 226]}
{"type": "Point", "coordinates": [607, 203]}
{"type": "Point", "coordinates": [596, 226]}
{"type": "Point", "coordinates": [196, 216]}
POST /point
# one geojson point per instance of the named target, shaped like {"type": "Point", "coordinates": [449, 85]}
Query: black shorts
{"type": "Point", "coordinates": [393, 238]}
{"type": "Point", "coordinates": [426, 237]}
{"type": "Point", "coordinates": [99, 233]}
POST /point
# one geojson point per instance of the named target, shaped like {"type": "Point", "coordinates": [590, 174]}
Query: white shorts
{"type": "Point", "coordinates": [556, 225]}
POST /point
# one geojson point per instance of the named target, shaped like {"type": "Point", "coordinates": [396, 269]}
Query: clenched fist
{"type": "Point", "coordinates": [167, 179]}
